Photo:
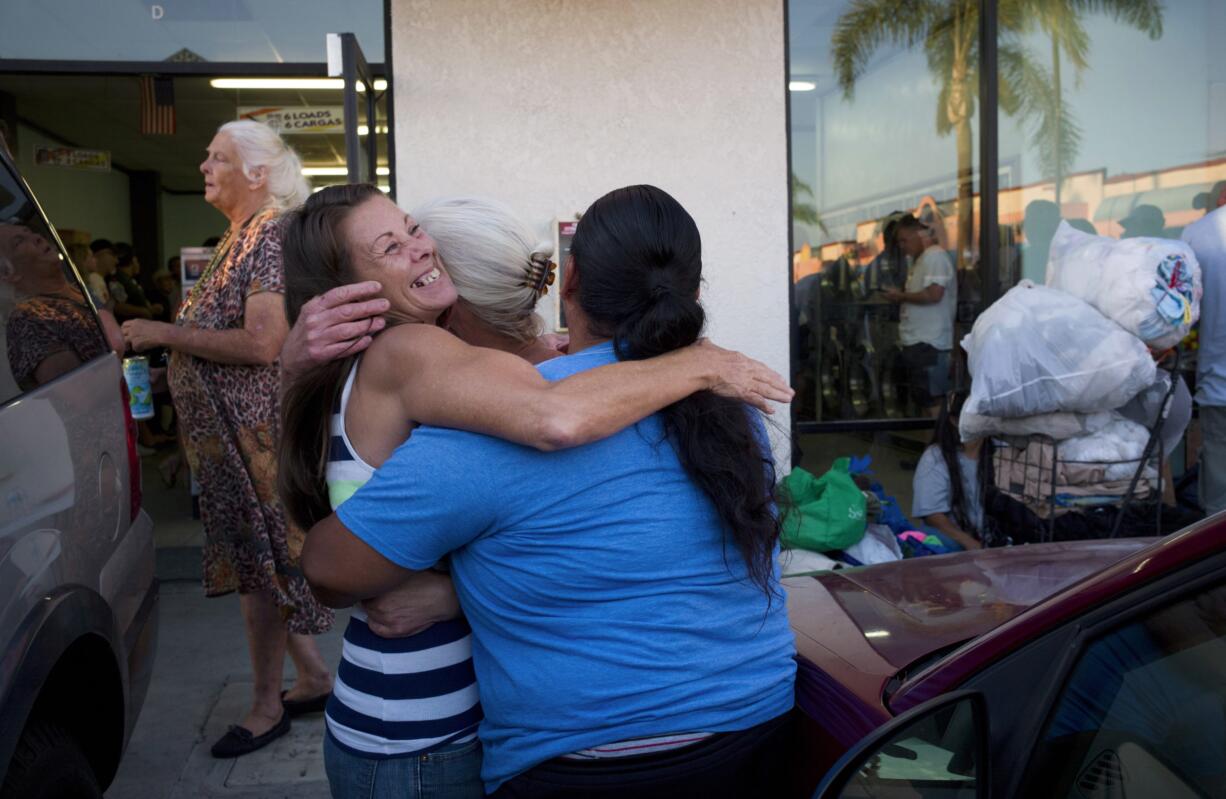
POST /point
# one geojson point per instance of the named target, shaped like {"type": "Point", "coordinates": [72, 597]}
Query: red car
{"type": "Point", "coordinates": [1083, 669]}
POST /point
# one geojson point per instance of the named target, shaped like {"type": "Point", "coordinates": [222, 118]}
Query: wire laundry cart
{"type": "Point", "coordinates": [1036, 487]}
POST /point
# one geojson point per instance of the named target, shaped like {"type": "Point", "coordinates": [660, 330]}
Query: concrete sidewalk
{"type": "Point", "coordinates": [201, 685]}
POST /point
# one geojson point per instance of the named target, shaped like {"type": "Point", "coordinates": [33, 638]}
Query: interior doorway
{"type": "Point", "coordinates": [102, 169]}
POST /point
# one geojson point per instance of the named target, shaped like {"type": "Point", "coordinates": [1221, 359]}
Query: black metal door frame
{"type": "Point", "coordinates": [354, 71]}
{"type": "Point", "coordinates": [989, 228]}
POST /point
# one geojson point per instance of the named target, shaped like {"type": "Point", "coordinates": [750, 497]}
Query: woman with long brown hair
{"type": "Point", "coordinates": [343, 418]}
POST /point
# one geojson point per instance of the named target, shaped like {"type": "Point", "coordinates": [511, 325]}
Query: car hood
{"type": "Point", "coordinates": [863, 626]}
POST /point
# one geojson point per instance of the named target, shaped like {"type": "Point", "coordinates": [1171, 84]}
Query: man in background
{"type": "Point", "coordinates": [1207, 237]}
{"type": "Point", "coordinates": [926, 326]}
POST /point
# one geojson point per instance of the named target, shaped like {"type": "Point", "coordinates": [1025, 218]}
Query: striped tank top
{"type": "Point", "coordinates": [395, 696]}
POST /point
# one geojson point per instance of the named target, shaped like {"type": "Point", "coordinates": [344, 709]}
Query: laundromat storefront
{"type": "Point", "coordinates": [989, 121]}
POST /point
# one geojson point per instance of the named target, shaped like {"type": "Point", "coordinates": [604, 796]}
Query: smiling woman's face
{"type": "Point", "coordinates": [388, 245]}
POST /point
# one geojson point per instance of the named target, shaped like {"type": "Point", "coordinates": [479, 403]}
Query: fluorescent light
{"type": "Point", "coordinates": [801, 86]}
{"type": "Point", "coordinates": [334, 84]}
{"type": "Point", "coordinates": [876, 633]}
{"type": "Point", "coordinates": [337, 171]}
{"type": "Point", "coordinates": [386, 189]}
{"type": "Point", "coordinates": [364, 130]}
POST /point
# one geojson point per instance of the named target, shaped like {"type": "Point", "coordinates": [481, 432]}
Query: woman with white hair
{"type": "Point", "coordinates": [225, 380]}
{"type": "Point", "coordinates": [488, 252]}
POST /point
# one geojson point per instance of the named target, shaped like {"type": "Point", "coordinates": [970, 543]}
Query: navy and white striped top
{"type": "Point", "coordinates": [395, 696]}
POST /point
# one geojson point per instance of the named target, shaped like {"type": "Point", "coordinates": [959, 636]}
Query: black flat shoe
{"type": "Point", "coordinates": [301, 707]}
{"type": "Point", "coordinates": [239, 741]}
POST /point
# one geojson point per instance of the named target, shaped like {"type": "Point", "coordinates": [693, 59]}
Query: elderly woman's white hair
{"type": "Point", "coordinates": [259, 146]}
{"type": "Point", "coordinates": [491, 255]}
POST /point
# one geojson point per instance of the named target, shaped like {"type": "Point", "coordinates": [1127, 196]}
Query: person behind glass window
{"type": "Point", "coordinates": [87, 263]}
{"type": "Point", "coordinates": [1207, 237]}
{"type": "Point", "coordinates": [1144, 220]}
{"type": "Point", "coordinates": [1039, 226]}
{"type": "Point", "coordinates": [131, 301]}
{"type": "Point", "coordinates": [165, 291]}
{"type": "Point", "coordinates": [926, 325]}
{"type": "Point", "coordinates": [951, 477]}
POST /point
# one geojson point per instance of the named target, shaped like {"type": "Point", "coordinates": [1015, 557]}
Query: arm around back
{"type": "Point", "coordinates": [492, 392]}
{"type": "Point", "coordinates": [342, 569]}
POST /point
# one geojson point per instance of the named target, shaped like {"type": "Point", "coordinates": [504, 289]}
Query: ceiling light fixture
{"type": "Point", "coordinates": [335, 84]}
{"type": "Point", "coordinates": [801, 86]}
{"type": "Point", "coordinates": [337, 171]}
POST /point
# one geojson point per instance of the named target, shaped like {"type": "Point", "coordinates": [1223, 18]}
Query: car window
{"type": "Point", "coordinates": [935, 756]}
{"type": "Point", "coordinates": [1144, 712]}
{"type": "Point", "coordinates": [47, 326]}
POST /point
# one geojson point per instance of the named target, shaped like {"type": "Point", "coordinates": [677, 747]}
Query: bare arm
{"type": "Point", "coordinates": [258, 341]}
{"type": "Point", "coordinates": [336, 324]}
{"type": "Point", "coordinates": [487, 391]}
{"type": "Point", "coordinates": [342, 569]}
{"type": "Point", "coordinates": [54, 365]}
{"type": "Point", "coordinates": [946, 525]}
{"type": "Point", "coordinates": [114, 336]}
{"type": "Point", "coordinates": [425, 598]}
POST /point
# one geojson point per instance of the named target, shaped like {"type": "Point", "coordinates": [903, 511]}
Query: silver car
{"type": "Point", "coordinates": [78, 598]}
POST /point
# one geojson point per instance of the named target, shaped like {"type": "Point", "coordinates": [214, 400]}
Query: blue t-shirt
{"type": "Point", "coordinates": [605, 601]}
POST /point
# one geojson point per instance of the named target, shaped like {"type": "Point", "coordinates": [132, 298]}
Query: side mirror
{"type": "Point", "coordinates": [936, 751]}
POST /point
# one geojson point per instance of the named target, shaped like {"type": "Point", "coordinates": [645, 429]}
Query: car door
{"type": "Point", "coordinates": [1127, 700]}
{"type": "Point", "coordinates": [64, 465]}
{"type": "Point", "coordinates": [1143, 710]}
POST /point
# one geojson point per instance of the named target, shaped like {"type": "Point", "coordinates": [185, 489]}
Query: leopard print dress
{"type": "Point", "coordinates": [232, 430]}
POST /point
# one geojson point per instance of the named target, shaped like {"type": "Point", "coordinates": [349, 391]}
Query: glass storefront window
{"type": "Point", "coordinates": [884, 116]}
{"type": "Point", "coordinates": [245, 31]}
{"type": "Point", "coordinates": [1119, 122]}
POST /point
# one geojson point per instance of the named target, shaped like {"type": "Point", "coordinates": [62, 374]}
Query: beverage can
{"type": "Point", "coordinates": [140, 392]}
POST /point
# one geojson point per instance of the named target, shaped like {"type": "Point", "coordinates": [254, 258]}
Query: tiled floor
{"type": "Point", "coordinates": [201, 685]}
{"type": "Point", "coordinates": [169, 507]}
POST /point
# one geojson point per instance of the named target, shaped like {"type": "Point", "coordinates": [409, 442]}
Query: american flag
{"type": "Point", "coordinates": [157, 105]}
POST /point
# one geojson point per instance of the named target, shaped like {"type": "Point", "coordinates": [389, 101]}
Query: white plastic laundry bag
{"type": "Point", "coordinates": [1119, 446]}
{"type": "Point", "coordinates": [1150, 287]}
{"type": "Point", "coordinates": [1039, 350]}
{"type": "Point", "coordinates": [1056, 425]}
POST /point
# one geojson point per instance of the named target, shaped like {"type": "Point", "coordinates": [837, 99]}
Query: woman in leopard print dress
{"type": "Point", "coordinates": [224, 376]}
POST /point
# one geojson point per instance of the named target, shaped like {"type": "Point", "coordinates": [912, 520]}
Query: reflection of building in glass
{"type": "Point", "coordinates": [1178, 192]}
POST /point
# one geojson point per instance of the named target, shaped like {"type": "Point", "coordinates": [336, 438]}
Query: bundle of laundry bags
{"type": "Point", "coordinates": [1150, 287]}
{"type": "Point", "coordinates": [1059, 372]}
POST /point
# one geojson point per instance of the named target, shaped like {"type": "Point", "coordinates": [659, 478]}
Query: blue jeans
{"type": "Point", "coordinates": [449, 772]}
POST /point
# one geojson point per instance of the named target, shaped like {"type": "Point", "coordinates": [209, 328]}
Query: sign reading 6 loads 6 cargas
{"type": "Point", "coordinates": [297, 120]}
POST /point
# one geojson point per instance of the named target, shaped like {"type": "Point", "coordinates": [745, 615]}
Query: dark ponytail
{"type": "Point", "coordinates": [638, 257]}
{"type": "Point", "coordinates": [316, 260]}
{"type": "Point", "coordinates": [947, 438]}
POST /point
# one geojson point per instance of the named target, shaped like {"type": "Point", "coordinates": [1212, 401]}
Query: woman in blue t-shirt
{"type": "Point", "coordinates": [630, 635]}
{"type": "Point", "coordinates": [404, 710]}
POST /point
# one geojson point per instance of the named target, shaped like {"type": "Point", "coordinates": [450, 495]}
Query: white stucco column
{"type": "Point", "coordinates": [547, 104]}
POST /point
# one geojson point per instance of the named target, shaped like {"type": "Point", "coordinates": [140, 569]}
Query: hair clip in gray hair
{"type": "Point", "coordinates": [541, 273]}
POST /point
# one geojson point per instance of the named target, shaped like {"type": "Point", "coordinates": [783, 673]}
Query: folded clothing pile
{"type": "Point", "coordinates": [1092, 469]}
{"type": "Point", "coordinates": [1151, 287]}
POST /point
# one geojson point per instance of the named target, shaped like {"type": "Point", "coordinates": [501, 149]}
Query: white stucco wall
{"type": "Point", "coordinates": [547, 104]}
